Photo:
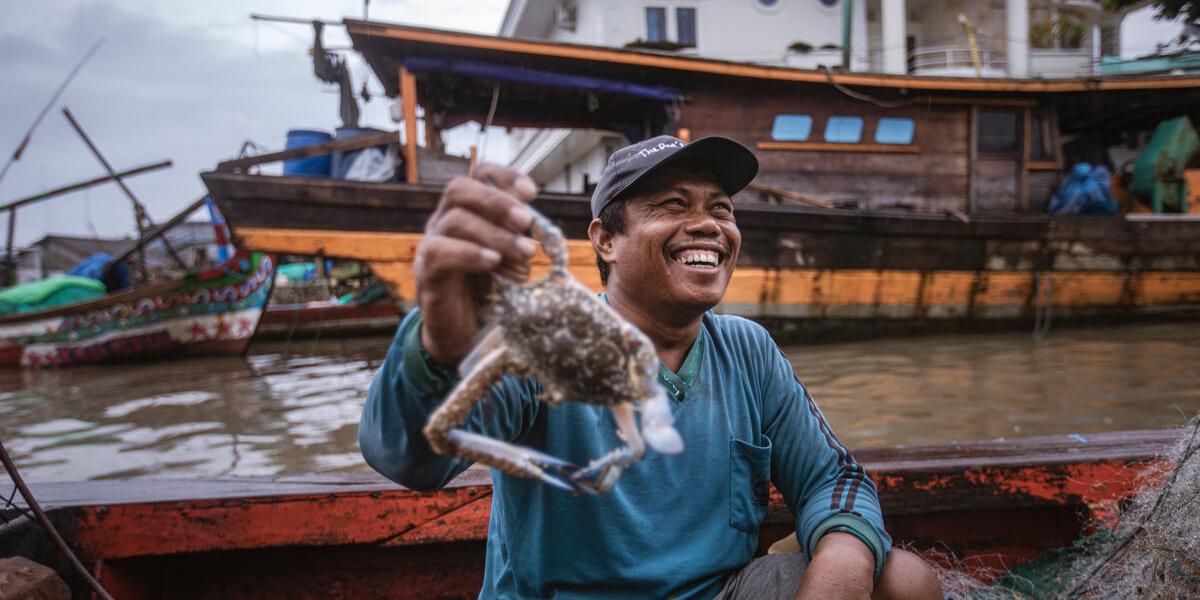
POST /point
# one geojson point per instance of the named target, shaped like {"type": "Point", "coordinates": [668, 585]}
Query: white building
{"type": "Point", "coordinates": [968, 38]}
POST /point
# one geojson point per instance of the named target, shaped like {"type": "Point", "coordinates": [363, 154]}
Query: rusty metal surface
{"type": "Point", "coordinates": [995, 502]}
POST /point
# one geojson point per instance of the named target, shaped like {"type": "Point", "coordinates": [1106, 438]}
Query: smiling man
{"type": "Point", "coordinates": [681, 526]}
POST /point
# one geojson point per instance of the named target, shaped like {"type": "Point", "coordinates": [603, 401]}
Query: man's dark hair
{"type": "Point", "coordinates": [612, 219]}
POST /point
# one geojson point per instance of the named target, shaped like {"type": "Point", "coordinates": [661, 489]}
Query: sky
{"type": "Point", "coordinates": [191, 81]}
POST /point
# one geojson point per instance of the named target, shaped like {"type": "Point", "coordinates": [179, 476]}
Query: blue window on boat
{"type": "Point", "coordinates": [656, 24]}
{"type": "Point", "coordinates": [791, 128]}
{"type": "Point", "coordinates": [845, 130]}
{"type": "Point", "coordinates": [893, 130]}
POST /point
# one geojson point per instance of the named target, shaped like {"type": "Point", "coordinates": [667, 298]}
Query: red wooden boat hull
{"type": "Point", "coordinates": [291, 320]}
{"type": "Point", "coordinates": [996, 503]}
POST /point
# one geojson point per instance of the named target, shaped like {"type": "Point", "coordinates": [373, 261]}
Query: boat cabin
{"type": "Point", "coordinates": [851, 140]}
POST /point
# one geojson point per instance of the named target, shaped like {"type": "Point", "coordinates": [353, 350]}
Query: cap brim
{"type": "Point", "coordinates": [734, 165]}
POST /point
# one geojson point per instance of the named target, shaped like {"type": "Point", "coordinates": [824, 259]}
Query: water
{"type": "Point", "coordinates": [287, 409]}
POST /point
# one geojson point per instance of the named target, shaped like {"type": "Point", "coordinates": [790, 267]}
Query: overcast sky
{"type": "Point", "coordinates": [191, 81]}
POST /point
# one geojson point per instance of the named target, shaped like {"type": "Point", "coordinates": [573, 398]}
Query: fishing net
{"type": "Point", "coordinates": [1153, 552]}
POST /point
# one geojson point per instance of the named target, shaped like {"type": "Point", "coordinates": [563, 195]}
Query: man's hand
{"type": "Point", "coordinates": [842, 567]}
{"type": "Point", "coordinates": [475, 230]}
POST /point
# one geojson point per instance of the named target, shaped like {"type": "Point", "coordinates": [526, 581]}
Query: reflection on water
{"type": "Point", "coordinates": [294, 408]}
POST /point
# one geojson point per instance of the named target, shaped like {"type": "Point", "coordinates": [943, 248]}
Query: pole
{"type": "Point", "coordinates": [408, 96]}
{"type": "Point", "coordinates": [139, 211]}
{"type": "Point", "coordinates": [16, 155]}
{"type": "Point", "coordinates": [9, 268]}
{"type": "Point", "coordinates": [74, 187]}
{"type": "Point", "coordinates": [847, 26]}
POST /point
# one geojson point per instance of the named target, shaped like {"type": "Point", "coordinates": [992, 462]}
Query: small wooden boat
{"type": "Point", "coordinates": [288, 321]}
{"type": "Point", "coordinates": [210, 312]}
{"type": "Point", "coordinates": [356, 535]}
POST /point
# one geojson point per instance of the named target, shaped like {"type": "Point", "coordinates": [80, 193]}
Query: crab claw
{"type": "Point", "coordinates": [598, 480]}
{"type": "Point", "coordinates": [526, 461]}
{"type": "Point", "coordinates": [658, 425]}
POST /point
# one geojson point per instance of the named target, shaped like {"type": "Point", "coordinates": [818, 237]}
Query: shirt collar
{"type": "Point", "coordinates": [677, 384]}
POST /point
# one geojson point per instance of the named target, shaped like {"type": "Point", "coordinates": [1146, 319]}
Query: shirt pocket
{"type": "Point", "coordinates": [749, 484]}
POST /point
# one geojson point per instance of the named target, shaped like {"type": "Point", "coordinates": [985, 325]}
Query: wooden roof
{"type": "Point", "coordinates": [384, 44]}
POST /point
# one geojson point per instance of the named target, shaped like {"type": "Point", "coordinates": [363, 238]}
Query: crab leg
{"type": "Point", "coordinates": [515, 460]}
{"type": "Point", "coordinates": [607, 469]}
{"type": "Point", "coordinates": [445, 438]}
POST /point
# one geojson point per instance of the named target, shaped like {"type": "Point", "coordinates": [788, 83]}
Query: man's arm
{"type": "Point", "coordinates": [476, 230]}
{"type": "Point", "coordinates": [824, 486]}
{"type": "Point", "coordinates": [406, 389]}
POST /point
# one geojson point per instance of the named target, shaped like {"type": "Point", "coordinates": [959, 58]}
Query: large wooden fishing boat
{"type": "Point", "coordinates": [214, 311]}
{"type": "Point", "coordinates": [946, 229]}
{"type": "Point", "coordinates": [993, 503]}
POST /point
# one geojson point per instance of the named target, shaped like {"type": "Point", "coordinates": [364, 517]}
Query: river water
{"type": "Point", "coordinates": [293, 408]}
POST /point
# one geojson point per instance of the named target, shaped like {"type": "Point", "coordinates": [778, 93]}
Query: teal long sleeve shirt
{"type": "Point", "coordinates": [675, 525]}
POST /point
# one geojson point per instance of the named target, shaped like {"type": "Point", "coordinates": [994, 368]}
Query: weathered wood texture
{"type": "Point", "coordinates": [357, 534]}
{"type": "Point", "coordinates": [932, 180]}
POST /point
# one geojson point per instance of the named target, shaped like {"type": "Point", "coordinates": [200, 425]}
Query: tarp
{"type": "Point", "coordinates": [1085, 190]}
{"type": "Point", "coordinates": [511, 74]}
{"type": "Point", "coordinates": [48, 293]}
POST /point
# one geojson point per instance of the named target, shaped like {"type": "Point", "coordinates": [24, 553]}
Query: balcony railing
{"type": "Point", "coordinates": [954, 61]}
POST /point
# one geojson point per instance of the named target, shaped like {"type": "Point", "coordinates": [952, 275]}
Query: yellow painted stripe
{"type": "Point", "coordinates": [391, 256]}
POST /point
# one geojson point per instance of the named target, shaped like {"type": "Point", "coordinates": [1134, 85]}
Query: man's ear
{"type": "Point", "coordinates": [602, 240]}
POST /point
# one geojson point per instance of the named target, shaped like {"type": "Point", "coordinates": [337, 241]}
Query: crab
{"type": "Point", "coordinates": [571, 341]}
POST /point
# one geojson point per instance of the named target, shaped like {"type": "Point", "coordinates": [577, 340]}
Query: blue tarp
{"type": "Point", "coordinates": [94, 267]}
{"type": "Point", "coordinates": [511, 74]}
{"type": "Point", "coordinates": [1087, 190]}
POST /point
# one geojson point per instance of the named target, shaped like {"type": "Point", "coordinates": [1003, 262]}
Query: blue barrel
{"type": "Point", "coordinates": [317, 166]}
{"type": "Point", "coordinates": [343, 160]}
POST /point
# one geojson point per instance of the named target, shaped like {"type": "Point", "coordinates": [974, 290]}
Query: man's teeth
{"type": "Point", "coordinates": [706, 258]}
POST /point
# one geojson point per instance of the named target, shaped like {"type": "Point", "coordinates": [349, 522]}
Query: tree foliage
{"type": "Point", "coordinates": [1167, 10]}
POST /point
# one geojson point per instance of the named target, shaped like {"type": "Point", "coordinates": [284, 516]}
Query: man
{"type": "Point", "coordinates": [681, 526]}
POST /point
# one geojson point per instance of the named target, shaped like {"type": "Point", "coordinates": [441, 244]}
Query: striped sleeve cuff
{"type": "Point", "coordinates": [421, 371]}
{"type": "Point", "coordinates": [847, 522]}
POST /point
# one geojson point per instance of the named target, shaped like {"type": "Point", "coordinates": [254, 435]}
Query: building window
{"type": "Point", "coordinates": [1000, 131]}
{"type": "Point", "coordinates": [893, 130]}
{"type": "Point", "coordinates": [685, 25]}
{"type": "Point", "coordinates": [844, 130]}
{"type": "Point", "coordinates": [791, 128]}
{"type": "Point", "coordinates": [656, 24]}
{"type": "Point", "coordinates": [1041, 145]}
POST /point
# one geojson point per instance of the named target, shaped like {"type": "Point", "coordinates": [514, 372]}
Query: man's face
{"type": "Point", "coordinates": [680, 242]}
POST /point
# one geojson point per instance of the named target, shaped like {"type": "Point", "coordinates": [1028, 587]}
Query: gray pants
{"type": "Point", "coordinates": [766, 578]}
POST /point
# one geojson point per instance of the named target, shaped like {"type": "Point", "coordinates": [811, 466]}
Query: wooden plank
{"type": "Point", "coordinates": [1042, 166]}
{"type": "Point", "coordinates": [355, 143]}
{"type": "Point", "coordinates": [826, 147]}
{"type": "Point", "coordinates": [408, 94]}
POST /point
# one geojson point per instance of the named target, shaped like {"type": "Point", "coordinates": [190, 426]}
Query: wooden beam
{"type": "Point", "coordinates": [823, 147]}
{"type": "Point", "coordinates": [368, 29]}
{"type": "Point", "coordinates": [1026, 147]}
{"type": "Point", "coordinates": [1045, 165]}
{"type": "Point", "coordinates": [355, 143]}
{"type": "Point", "coordinates": [977, 101]}
{"type": "Point", "coordinates": [74, 187]}
{"type": "Point", "coordinates": [408, 95]}
{"type": "Point", "coordinates": [157, 231]}
{"type": "Point", "coordinates": [790, 195]}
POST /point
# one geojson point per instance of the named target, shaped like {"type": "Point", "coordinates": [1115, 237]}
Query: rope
{"type": "Point", "coordinates": [1043, 306]}
{"type": "Point", "coordinates": [44, 521]}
